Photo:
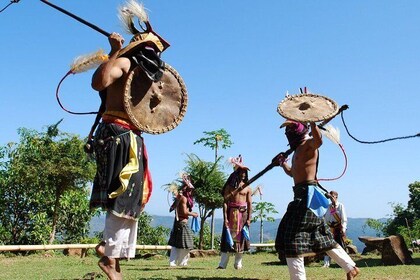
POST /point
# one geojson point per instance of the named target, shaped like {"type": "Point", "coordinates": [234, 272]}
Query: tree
{"type": "Point", "coordinates": [374, 224]}
{"type": "Point", "coordinates": [404, 220]}
{"type": "Point", "coordinates": [213, 139]}
{"type": "Point", "coordinates": [151, 235]}
{"type": "Point", "coordinates": [206, 245]}
{"type": "Point", "coordinates": [414, 203]}
{"type": "Point", "coordinates": [208, 180]}
{"type": "Point", "coordinates": [74, 218]}
{"type": "Point", "coordinates": [35, 174]}
{"type": "Point", "coordinates": [261, 212]}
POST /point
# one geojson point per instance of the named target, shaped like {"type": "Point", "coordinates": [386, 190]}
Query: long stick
{"type": "Point", "coordinates": [286, 154]}
{"type": "Point", "coordinates": [250, 181]}
{"type": "Point", "coordinates": [259, 174]}
{"type": "Point", "coordinates": [107, 34]}
{"type": "Point", "coordinates": [267, 168]}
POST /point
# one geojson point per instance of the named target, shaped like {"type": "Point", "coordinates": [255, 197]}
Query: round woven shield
{"type": "Point", "coordinates": [307, 107]}
{"type": "Point", "coordinates": [155, 107]}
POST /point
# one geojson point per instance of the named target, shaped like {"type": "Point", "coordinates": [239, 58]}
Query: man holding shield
{"type": "Point", "coordinates": [122, 185]}
{"type": "Point", "coordinates": [302, 230]}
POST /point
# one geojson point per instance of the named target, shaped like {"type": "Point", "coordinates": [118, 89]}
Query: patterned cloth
{"type": "Point", "coordinates": [237, 215]}
{"type": "Point", "coordinates": [181, 235]}
{"type": "Point", "coordinates": [336, 219]}
{"type": "Point", "coordinates": [112, 151]}
{"type": "Point", "coordinates": [301, 232]}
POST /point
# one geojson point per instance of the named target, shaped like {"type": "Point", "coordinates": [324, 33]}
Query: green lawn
{"type": "Point", "coordinates": [256, 266]}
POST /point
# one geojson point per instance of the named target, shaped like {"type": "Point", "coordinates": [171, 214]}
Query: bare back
{"type": "Point", "coordinates": [115, 95]}
{"type": "Point", "coordinates": [182, 209]}
{"type": "Point", "coordinates": [112, 75]}
{"type": "Point", "coordinates": [304, 163]}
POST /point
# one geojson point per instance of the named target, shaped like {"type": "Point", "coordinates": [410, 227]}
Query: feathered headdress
{"type": "Point", "coordinates": [187, 180]}
{"type": "Point", "coordinates": [237, 162]}
{"type": "Point", "coordinates": [127, 15]}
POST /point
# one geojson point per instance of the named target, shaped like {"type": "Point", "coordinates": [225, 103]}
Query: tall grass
{"type": "Point", "coordinates": [256, 266]}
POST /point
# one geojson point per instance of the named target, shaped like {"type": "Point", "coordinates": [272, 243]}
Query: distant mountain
{"type": "Point", "coordinates": [355, 228]}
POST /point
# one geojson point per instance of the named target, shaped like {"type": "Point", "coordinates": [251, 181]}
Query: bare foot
{"type": "Point", "coordinates": [111, 268]}
{"type": "Point", "coordinates": [352, 274]}
{"type": "Point", "coordinates": [100, 249]}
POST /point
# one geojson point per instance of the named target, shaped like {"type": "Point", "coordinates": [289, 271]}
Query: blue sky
{"type": "Point", "coordinates": [238, 58]}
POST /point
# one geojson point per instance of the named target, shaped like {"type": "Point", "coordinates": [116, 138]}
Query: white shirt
{"type": "Point", "coordinates": [341, 212]}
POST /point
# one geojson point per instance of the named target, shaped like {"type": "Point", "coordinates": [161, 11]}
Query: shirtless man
{"type": "Point", "coordinates": [111, 75]}
{"type": "Point", "coordinates": [115, 141]}
{"type": "Point", "coordinates": [301, 232]}
{"type": "Point", "coordinates": [237, 211]}
{"type": "Point", "coordinates": [182, 237]}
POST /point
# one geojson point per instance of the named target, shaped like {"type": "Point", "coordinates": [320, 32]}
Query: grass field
{"type": "Point", "coordinates": [256, 266]}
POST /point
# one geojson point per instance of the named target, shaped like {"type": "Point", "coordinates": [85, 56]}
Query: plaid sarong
{"type": "Point", "coordinates": [301, 232]}
{"type": "Point", "coordinates": [182, 236]}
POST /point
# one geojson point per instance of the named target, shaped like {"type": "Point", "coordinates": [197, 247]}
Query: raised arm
{"type": "Point", "coordinates": [316, 136]}
{"type": "Point", "coordinates": [110, 71]}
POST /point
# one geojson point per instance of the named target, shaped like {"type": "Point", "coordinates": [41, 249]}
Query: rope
{"type": "Point", "coordinates": [345, 166]}
{"type": "Point", "coordinates": [61, 105]}
{"type": "Point", "coordinates": [375, 142]}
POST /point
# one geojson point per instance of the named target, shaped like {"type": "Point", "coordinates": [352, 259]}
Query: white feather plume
{"type": "Point", "coordinates": [130, 10]}
{"type": "Point", "coordinates": [89, 61]}
{"type": "Point", "coordinates": [332, 133]}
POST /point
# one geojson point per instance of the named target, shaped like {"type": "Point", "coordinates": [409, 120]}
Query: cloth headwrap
{"type": "Point", "coordinates": [296, 133]}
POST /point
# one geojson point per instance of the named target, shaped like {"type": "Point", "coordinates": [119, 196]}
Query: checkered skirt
{"type": "Point", "coordinates": [301, 232]}
{"type": "Point", "coordinates": [181, 236]}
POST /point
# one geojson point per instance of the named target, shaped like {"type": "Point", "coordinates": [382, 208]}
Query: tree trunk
{"type": "Point", "coordinates": [212, 230]}
{"type": "Point", "coordinates": [55, 216]}
{"type": "Point", "coordinates": [200, 242]}
{"type": "Point", "coordinates": [261, 231]}
{"type": "Point", "coordinates": [212, 213]}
